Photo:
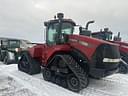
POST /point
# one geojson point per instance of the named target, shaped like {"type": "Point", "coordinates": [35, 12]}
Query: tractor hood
{"type": "Point", "coordinates": [121, 43]}
{"type": "Point", "coordinates": [90, 40]}
{"type": "Point", "coordinates": [123, 46]}
{"type": "Point", "coordinates": [87, 45]}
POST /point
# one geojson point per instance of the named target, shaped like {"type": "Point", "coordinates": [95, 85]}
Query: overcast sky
{"type": "Point", "coordinates": [24, 18]}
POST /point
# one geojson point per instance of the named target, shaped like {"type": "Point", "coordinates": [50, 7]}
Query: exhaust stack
{"type": "Point", "coordinates": [87, 24]}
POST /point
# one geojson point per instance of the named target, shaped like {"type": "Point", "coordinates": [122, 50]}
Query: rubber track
{"type": "Point", "coordinates": [125, 57]}
{"type": "Point", "coordinates": [76, 69]}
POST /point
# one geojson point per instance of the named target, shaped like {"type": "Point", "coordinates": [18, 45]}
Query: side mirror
{"type": "Point", "coordinates": [1, 42]}
{"type": "Point", "coordinates": [45, 23]}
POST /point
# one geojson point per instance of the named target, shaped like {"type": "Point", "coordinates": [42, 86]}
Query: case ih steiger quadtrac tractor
{"type": "Point", "coordinates": [68, 59]}
{"type": "Point", "coordinates": [123, 46]}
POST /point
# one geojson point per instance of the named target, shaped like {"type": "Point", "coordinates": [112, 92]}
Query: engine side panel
{"type": "Point", "coordinates": [37, 50]}
{"type": "Point", "coordinates": [84, 44]}
{"type": "Point", "coordinates": [51, 50]}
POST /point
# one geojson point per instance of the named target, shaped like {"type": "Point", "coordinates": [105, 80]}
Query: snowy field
{"type": "Point", "coordinates": [16, 83]}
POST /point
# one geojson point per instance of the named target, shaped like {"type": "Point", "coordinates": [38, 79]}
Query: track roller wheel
{"type": "Point", "coordinates": [73, 83]}
{"type": "Point", "coordinates": [47, 74]}
{"type": "Point", "coordinates": [75, 79]}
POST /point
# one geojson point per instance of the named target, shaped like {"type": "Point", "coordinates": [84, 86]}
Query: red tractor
{"type": "Point", "coordinates": [123, 46]}
{"type": "Point", "coordinates": [68, 59]}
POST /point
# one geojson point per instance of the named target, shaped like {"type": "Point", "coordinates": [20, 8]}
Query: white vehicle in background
{"type": "Point", "coordinates": [11, 48]}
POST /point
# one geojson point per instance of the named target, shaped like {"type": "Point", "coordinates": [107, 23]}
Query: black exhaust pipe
{"type": "Point", "coordinates": [87, 24]}
{"type": "Point", "coordinates": [118, 35]}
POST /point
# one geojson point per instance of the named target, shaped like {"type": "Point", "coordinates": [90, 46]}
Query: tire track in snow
{"type": "Point", "coordinates": [9, 87]}
{"type": "Point", "coordinates": [39, 86]}
{"type": "Point", "coordinates": [108, 87]}
{"type": "Point", "coordinates": [115, 85]}
{"type": "Point", "coordinates": [104, 87]}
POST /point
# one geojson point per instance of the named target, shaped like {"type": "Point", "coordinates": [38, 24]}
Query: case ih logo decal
{"type": "Point", "coordinates": [82, 42]}
{"type": "Point", "coordinates": [73, 40]}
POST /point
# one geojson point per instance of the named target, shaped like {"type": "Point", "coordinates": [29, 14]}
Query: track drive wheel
{"type": "Point", "coordinates": [28, 65]}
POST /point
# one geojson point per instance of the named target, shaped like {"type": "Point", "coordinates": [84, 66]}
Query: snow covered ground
{"type": "Point", "coordinates": [16, 83]}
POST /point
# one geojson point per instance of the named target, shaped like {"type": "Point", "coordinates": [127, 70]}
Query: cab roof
{"type": "Point", "coordinates": [57, 21]}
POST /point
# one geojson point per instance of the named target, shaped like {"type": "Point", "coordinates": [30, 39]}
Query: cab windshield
{"type": "Point", "coordinates": [53, 31]}
{"type": "Point", "coordinates": [14, 43]}
{"type": "Point", "coordinates": [67, 28]}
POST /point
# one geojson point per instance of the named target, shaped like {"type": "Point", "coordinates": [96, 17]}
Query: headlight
{"type": "Point", "coordinates": [19, 58]}
{"type": "Point", "coordinates": [18, 49]}
{"type": "Point", "coordinates": [111, 60]}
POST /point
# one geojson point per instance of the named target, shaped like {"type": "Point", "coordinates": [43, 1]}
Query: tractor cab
{"type": "Point", "coordinates": [57, 30]}
{"type": "Point", "coordinates": [104, 35]}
